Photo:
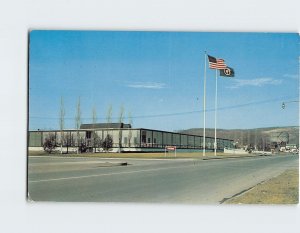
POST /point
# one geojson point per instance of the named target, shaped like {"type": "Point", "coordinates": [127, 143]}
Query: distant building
{"type": "Point", "coordinates": [125, 138]}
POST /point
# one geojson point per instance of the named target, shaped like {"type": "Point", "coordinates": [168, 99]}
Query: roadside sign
{"type": "Point", "coordinates": [171, 148]}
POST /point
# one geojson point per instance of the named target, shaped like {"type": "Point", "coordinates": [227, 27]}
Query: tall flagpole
{"type": "Point", "coordinates": [204, 103]}
{"type": "Point", "coordinates": [216, 105]}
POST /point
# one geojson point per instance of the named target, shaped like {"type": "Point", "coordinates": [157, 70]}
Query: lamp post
{"type": "Point", "coordinates": [283, 105]}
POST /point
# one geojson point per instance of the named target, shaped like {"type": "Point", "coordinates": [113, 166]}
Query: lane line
{"type": "Point", "coordinates": [64, 163]}
{"type": "Point", "coordinates": [108, 174]}
{"type": "Point", "coordinates": [95, 158]}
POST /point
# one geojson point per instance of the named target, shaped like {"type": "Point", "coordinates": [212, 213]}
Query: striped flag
{"type": "Point", "coordinates": [216, 63]}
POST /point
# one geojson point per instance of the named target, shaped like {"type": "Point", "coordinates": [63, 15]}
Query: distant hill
{"type": "Point", "coordinates": [252, 136]}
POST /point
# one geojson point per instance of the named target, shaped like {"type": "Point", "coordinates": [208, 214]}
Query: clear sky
{"type": "Point", "coordinates": [158, 78]}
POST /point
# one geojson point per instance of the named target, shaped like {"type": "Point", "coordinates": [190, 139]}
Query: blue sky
{"type": "Point", "coordinates": [158, 78]}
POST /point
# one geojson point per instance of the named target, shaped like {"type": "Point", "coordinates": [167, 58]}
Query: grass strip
{"type": "Point", "coordinates": [283, 189]}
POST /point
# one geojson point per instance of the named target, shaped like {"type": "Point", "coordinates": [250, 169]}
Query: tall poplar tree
{"type": "Point", "coordinates": [94, 117]}
{"type": "Point", "coordinates": [121, 119]}
{"type": "Point", "coordinates": [61, 123]}
{"type": "Point", "coordinates": [78, 122]}
{"type": "Point", "coordinates": [109, 114]}
{"type": "Point", "coordinates": [130, 132]}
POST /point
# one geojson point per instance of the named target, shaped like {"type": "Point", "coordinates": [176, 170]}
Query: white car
{"type": "Point", "coordinates": [294, 151]}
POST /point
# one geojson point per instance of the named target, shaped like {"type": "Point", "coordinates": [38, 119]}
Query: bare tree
{"type": "Point", "coordinates": [78, 122]}
{"type": "Point", "coordinates": [248, 137]}
{"type": "Point", "coordinates": [94, 116]}
{"type": "Point", "coordinates": [68, 140]}
{"type": "Point", "coordinates": [121, 115]}
{"type": "Point", "coordinates": [242, 139]}
{"type": "Point", "coordinates": [121, 119]}
{"type": "Point", "coordinates": [61, 123]}
{"type": "Point", "coordinates": [130, 132]}
{"type": "Point", "coordinates": [255, 139]}
{"type": "Point", "coordinates": [109, 114]}
{"type": "Point", "coordinates": [98, 142]}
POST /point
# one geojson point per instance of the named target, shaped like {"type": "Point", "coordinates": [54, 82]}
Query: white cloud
{"type": "Point", "coordinates": [292, 76]}
{"type": "Point", "coordinates": [147, 85]}
{"type": "Point", "coordinates": [258, 82]}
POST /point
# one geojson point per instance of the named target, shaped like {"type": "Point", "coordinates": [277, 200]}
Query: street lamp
{"type": "Point", "coordinates": [284, 103]}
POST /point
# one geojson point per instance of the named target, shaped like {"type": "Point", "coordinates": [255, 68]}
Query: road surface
{"type": "Point", "coordinates": [149, 180]}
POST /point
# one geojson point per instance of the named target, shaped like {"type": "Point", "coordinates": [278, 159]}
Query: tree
{"type": "Point", "coordinates": [109, 114]}
{"type": "Point", "coordinates": [94, 117]}
{"type": "Point", "coordinates": [78, 123]}
{"type": "Point", "coordinates": [121, 115]}
{"type": "Point", "coordinates": [121, 119]}
{"type": "Point", "coordinates": [130, 132]}
{"type": "Point", "coordinates": [68, 140]}
{"type": "Point", "coordinates": [107, 144]}
{"type": "Point", "coordinates": [49, 144]}
{"type": "Point", "coordinates": [61, 123]}
{"type": "Point", "coordinates": [82, 147]}
{"type": "Point", "coordinates": [98, 142]}
{"type": "Point", "coordinates": [255, 139]}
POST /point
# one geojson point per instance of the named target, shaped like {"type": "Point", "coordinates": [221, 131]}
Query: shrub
{"type": "Point", "coordinates": [107, 143]}
{"type": "Point", "coordinates": [49, 144]}
{"type": "Point", "coordinates": [82, 148]}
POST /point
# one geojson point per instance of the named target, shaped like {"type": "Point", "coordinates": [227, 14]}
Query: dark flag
{"type": "Point", "coordinates": [228, 72]}
{"type": "Point", "coordinates": [216, 63]}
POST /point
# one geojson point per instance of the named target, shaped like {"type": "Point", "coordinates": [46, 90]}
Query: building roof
{"type": "Point", "coordinates": [105, 126]}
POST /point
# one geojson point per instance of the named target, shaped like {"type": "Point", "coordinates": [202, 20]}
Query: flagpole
{"type": "Point", "coordinates": [204, 103]}
{"type": "Point", "coordinates": [216, 105]}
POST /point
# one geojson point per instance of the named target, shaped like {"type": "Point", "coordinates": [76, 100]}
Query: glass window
{"type": "Point", "coordinates": [143, 136]}
{"type": "Point", "coordinates": [88, 134]}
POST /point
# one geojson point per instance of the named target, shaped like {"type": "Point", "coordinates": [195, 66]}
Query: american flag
{"type": "Point", "coordinates": [216, 63]}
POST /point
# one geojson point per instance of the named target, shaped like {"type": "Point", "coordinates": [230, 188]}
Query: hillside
{"type": "Point", "coordinates": [251, 136]}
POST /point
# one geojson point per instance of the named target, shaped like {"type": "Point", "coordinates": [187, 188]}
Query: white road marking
{"type": "Point", "coordinates": [107, 174]}
{"type": "Point", "coordinates": [64, 163]}
{"type": "Point", "coordinates": [95, 158]}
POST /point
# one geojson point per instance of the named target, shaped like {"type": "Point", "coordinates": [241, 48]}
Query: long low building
{"type": "Point", "coordinates": [124, 139]}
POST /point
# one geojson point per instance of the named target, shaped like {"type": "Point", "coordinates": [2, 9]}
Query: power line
{"type": "Point", "coordinates": [173, 114]}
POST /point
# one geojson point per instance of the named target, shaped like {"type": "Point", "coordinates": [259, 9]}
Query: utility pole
{"type": "Point", "coordinates": [204, 104]}
{"type": "Point", "coordinates": [216, 106]}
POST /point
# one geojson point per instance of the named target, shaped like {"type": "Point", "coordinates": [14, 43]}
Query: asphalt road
{"type": "Point", "coordinates": [149, 180]}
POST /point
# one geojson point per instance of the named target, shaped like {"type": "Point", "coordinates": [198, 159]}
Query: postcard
{"type": "Point", "coordinates": [163, 117]}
